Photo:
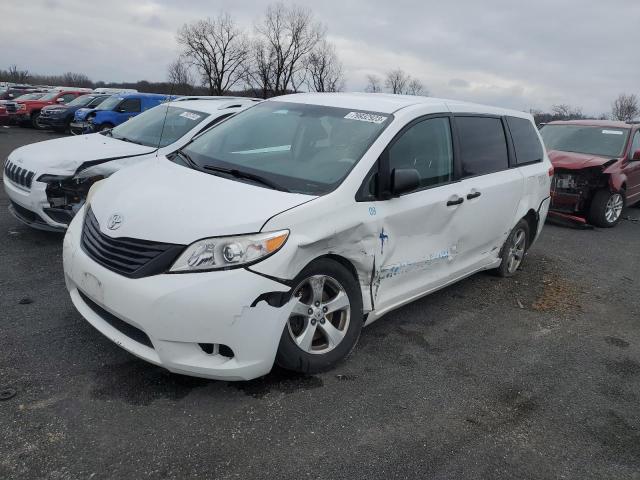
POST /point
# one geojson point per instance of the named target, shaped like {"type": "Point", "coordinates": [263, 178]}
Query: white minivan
{"type": "Point", "coordinates": [277, 235]}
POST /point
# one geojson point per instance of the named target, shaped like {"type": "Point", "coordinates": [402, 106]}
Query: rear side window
{"type": "Point", "coordinates": [130, 105]}
{"type": "Point", "coordinates": [483, 146]}
{"type": "Point", "coordinates": [525, 141]}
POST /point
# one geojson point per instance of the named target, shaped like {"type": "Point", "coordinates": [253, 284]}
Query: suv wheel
{"type": "Point", "coordinates": [606, 208]}
{"type": "Point", "coordinates": [514, 249]}
{"type": "Point", "coordinates": [326, 319]}
{"type": "Point", "coordinates": [104, 126]}
{"type": "Point", "coordinates": [35, 121]}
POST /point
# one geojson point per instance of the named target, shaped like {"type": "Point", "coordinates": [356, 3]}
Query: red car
{"type": "Point", "coordinates": [597, 169]}
{"type": "Point", "coordinates": [28, 111]}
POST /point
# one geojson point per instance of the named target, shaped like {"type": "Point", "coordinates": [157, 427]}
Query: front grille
{"type": "Point", "coordinates": [12, 107]}
{"type": "Point", "coordinates": [19, 176]}
{"type": "Point", "coordinates": [131, 257]}
{"type": "Point", "coordinates": [123, 327]}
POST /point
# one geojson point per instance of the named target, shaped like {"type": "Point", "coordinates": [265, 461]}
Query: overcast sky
{"type": "Point", "coordinates": [511, 53]}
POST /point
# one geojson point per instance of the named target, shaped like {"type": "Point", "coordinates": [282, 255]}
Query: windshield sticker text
{"type": "Point", "coordinates": [190, 116]}
{"type": "Point", "coordinates": [612, 132]}
{"type": "Point", "coordinates": [365, 117]}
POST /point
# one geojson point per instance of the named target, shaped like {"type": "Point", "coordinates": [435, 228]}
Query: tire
{"type": "Point", "coordinates": [514, 249]}
{"type": "Point", "coordinates": [34, 121]}
{"type": "Point", "coordinates": [334, 334]}
{"type": "Point", "coordinates": [606, 208]}
{"type": "Point", "coordinates": [104, 126]}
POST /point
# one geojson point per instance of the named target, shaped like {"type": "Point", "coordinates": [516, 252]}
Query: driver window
{"type": "Point", "coordinates": [427, 148]}
{"type": "Point", "coordinates": [635, 146]}
{"type": "Point", "coordinates": [130, 105]}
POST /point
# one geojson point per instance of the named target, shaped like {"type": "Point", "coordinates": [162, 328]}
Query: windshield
{"type": "Point", "coordinates": [601, 141]}
{"type": "Point", "coordinates": [170, 123]}
{"type": "Point", "coordinates": [110, 103]}
{"type": "Point", "coordinates": [30, 96]}
{"type": "Point", "coordinates": [81, 101]}
{"type": "Point", "coordinates": [49, 96]}
{"type": "Point", "coordinates": [299, 147]}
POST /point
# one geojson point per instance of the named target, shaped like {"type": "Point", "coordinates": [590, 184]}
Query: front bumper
{"type": "Point", "coordinates": [178, 312]}
{"type": "Point", "coordinates": [54, 122]}
{"type": "Point", "coordinates": [28, 205]}
{"type": "Point", "coordinates": [78, 128]}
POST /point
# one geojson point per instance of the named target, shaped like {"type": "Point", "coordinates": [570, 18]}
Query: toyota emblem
{"type": "Point", "coordinates": [115, 221]}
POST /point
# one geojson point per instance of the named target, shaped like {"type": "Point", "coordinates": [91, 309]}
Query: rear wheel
{"type": "Point", "coordinates": [606, 208]}
{"type": "Point", "coordinates": [514, 249]}
{"type": "Point", "coordinates": [326, 319]}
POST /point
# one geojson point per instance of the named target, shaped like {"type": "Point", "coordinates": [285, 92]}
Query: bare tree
{"type": "Point", "coordinates": [259, 73]}
{"type": "Point", "coordinates": [218, 49]}
{"type": "Point", "coordinates": [180, 77]}
{"type": "Point", "coordinates": [287, 35]}
{"type": "Point", "coordinates": [564, 111]}
{"type": "Point", "coordinates": [415, 87]}
{"type": "Point", "coordinates": [324, 70]}
{"type": "Point", "coordinates": [625, 108]}
{"type": "Point", "coordinates": [396, 81]}
{"type": "Point", "coordinates": [17, 76]}
{"type": "Point", "coordinates": [71, 79]}
{"type": "Point", "coordinates": [374, 84]}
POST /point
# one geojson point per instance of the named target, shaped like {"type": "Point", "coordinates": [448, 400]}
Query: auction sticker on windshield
{"type": "Point", "coordinates": [190, 116]}
{"type": "Point", "coordinates": [365, 117]}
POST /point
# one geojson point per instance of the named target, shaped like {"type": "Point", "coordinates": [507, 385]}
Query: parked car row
{"type": "Point", "coordinates": [244, 233]}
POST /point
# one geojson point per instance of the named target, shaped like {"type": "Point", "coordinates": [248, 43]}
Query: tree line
{"type": "Point", "coordinates": [625, 108]}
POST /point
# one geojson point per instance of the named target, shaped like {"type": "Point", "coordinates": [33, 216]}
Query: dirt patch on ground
{"type": "Point", "coordinates": [558, 295]}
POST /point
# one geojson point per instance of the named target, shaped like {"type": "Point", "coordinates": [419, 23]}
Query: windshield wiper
{"type": "Point", "coordinates": [188, 160]}
{"type": "Point", "coordinates": [125, 139]}
{"type": "Point", "coordinates": [249, 176]}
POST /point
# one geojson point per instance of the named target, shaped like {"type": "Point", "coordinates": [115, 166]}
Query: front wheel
{"type": "Point", "coordinates": [103, 127]}
{"type": "Point", "coordinates": [606, 208]}
{"type": "Point", "coordinates": [514, 249]}
{"type": "Point", "coordinates": [35, 121]}
{"type": "Point", "coordinates": [326, 319]}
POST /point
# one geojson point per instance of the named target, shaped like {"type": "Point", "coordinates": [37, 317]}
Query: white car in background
{"type": "Point", "coordinates": [47, 182]}
{"type": "Point", "coordinates": [281, 232]}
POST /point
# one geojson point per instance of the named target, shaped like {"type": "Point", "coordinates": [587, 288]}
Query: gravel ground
{"type": "Point", "coordinates": [527, 378]}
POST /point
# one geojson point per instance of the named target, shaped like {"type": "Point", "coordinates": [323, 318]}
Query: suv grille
{"type": "Point", "coordinates": [12, 107]}
{"type": "Point", "coordinates": [130, 257]}
{"type": "Point", "coordinates": [18, 175]}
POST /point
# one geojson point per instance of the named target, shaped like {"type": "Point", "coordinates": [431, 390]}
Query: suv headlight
{"type": "Point", "coordinates": [226, 252]}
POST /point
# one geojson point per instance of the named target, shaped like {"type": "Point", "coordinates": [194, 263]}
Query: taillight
{"type": "Point", "coordinates": [551, 170]}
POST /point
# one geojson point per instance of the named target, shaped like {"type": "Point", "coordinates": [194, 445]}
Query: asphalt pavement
{"type": "Point", "coordinates": [534, 377]}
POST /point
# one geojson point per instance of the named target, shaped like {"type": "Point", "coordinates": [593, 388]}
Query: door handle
{"type": "Point", "coordinates": [458, 201]}
{"type": "Point", "coordinates": [473, 195]}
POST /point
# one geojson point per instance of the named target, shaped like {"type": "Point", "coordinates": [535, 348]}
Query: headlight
{"type": "Point", "coordinates": [226, 252]}
{"type": "Point", "coordinates": [22, 106]}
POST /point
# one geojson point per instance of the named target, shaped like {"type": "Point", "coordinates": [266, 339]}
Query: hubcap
{"type": "Point", "coordinates": [614, 208]}
{"type": "Point", "coordinates": [516, 250]}
{"type": "Point", "coordinates": [320, 316]}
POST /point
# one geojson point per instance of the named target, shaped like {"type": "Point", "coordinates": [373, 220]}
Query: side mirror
{"type": "Point", "coordinates": [636, 155]}
{"type": "Point", "coordinates": [404, 180]}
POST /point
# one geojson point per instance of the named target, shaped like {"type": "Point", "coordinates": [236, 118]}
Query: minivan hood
{"type": "Point", "coordinates": [575, 161]}
{"type": "Point", "coordinates": [161, 201]}
{"type": "Point", "coordinates": [63, 156]}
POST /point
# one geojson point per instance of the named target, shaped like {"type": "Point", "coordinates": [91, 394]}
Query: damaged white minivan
{"type": "Point", "coordinates": [277, 235]}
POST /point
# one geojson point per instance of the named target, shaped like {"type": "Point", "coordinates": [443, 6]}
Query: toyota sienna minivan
{"type": "Point", "coordinates": [275, 236]}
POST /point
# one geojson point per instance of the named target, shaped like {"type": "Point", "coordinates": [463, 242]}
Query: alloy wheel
{"type": "Point", "coordinates": [320, 316]}
{"type": "Point", "coordinates": [516, 250]}
{"type": "Point", "coordinates": [613, 209]}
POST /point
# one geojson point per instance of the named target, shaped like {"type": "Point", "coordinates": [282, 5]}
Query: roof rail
{"type": "Point", "coordinates": [213, 97]}
{"type": "Point", "coordinates": [633, 122]}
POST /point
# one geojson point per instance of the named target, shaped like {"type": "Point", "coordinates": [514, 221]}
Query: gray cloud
{"type": "Point", "coordinates": [513, 54]}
